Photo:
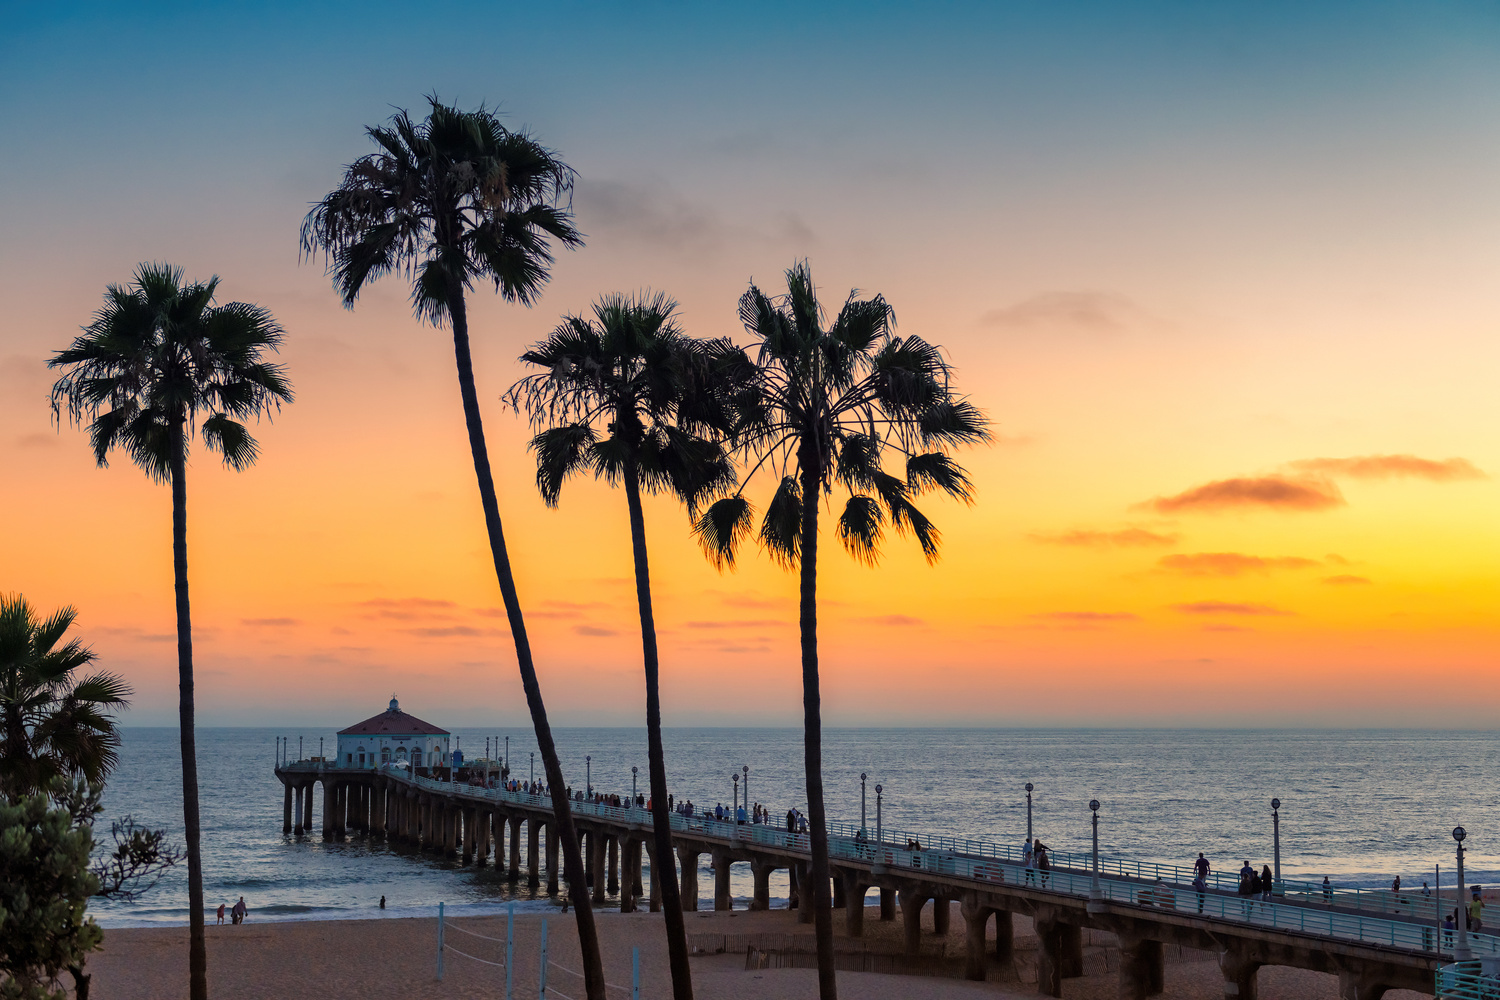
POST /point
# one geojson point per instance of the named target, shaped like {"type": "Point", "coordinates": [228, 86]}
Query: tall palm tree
{"type": "Point", "coordinates": [623, 397]}
{"type": "Point", "coordinates": [456, 198]}
{"type": "Point", "coordinates": [157, 356]}
{"type": "Point", "coordinates": [832, 406]}
{"type": "Point", "coordinates": [55, 721]}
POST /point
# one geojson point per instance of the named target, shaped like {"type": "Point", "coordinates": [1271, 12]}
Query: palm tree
{"type": "Point", "coordinates": [830, 408]}
{"type": "Point", "coordinates": [157, 356]}
{"type": "Point", "coordinates": [446, 201]}
{"type": "Point", "coordinates": [624, 396]}
{"type": "Point", "coordinates": [54, 720]}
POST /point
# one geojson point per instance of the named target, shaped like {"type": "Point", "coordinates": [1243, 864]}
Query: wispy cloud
{"type": "Point", "coordinates": [1228, 608]}
{"type": "Point", "coordinates": [1229, 563]}
{"type": "Point", "coordinates": [1086, 617]}
{"type": "Point", "coordinates": [889, 620]}
{"type": "Point", "coordinates": [741, 623]}
{"type": "Point", "coordinates": [1090, 313]}
{"type": "Point", "coordinates": [594, 630]}
{"type": "Point", "coordinates": [1122, 538]}
{"type": "Point", "coordinates": [1347, 580]}
{"type": "Point", "coordinates": [270, 622]}
{"type": "Point", "coordinates": [1275, 492]}
{"type": "Point", "coordinates": [453, 632]}
{"type": "Point", "coordinates": [38, 441]}
{"type": "Point", "coordinates": [408, 608]}
{"type": "Point", "coordinates": [1445, 470]}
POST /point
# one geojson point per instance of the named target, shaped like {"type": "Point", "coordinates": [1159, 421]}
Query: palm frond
{"type": "Point", "coordinates": [722, 528]}
{"type": "Point", "coordinates": [781, 528]}
{"type": "Point", "coordinates": [937, 470]}
{"type": "Point", "coordinates": [861, 527]}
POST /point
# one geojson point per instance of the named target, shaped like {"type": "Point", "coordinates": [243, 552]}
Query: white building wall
{"type": "Point", "coordinates": [371, 751]}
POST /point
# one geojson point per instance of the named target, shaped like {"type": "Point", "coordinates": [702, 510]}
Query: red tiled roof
{"type": "Point", "coordinates": [393, 723]}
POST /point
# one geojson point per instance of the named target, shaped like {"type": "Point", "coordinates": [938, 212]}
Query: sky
{"type": "Point", "coordinates": [1223, 276]}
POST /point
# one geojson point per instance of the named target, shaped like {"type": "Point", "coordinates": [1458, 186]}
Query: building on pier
{"type": "Point", "coordinates": [393, 737]}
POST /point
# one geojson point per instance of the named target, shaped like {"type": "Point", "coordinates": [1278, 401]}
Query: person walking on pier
{"type": "Point", "coordinates": [1268, 883]}
{"type": "Point", "coordinates": [1327, 891]}
{"type": "Point", "coordinates": [1201, 866]}
{"type": "Point", "coordinates": [1200, 885]}
{"type": "Point", "coordinates": [1028, 858]}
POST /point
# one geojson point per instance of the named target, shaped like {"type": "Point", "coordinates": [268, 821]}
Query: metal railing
{"type": "Point", "coordinates": [994, 864]}
{"type": "Point", "coordinates": [1478, 980]}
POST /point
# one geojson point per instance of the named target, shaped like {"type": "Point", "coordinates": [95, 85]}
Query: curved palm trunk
{"type": "Point", "coordinates": [197, 951]}
{"type": "Point", "coordinates": [812, 723]}
{"type": "Point", "coordinates": [588, 937]}
{"type": "Point", "coordinates": [664, 872]}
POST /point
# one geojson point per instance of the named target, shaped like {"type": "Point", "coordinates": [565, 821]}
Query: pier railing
{"type": "Point", "coordinates": [985, 863]}
{"type": "Point", "coordinates": [1479, 980]}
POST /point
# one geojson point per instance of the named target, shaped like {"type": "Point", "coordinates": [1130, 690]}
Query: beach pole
{"type": "Point", "coordinates": [542, 976]}
{"type": "Point", "coordinates": [440, 942]}
{"type": "Point", "coordinates": [635, 974]}
{"type": "Point", "coordinates": [510, 946]}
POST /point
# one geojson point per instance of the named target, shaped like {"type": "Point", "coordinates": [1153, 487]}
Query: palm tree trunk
{"type": "Point", "coordinates": [812, 722]}
{"type": "Point", "coordinates": [197, 950]}
{"type": "Point", "coordinates": [664, 872]}
{"type": "Point", "coordinates": [588, 936]}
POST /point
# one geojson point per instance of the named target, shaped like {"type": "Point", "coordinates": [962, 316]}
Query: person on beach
{"type": "Point", "coordinates": [239, 911]}
{"type": "Point", "coordinates": [1426, 891]}
{"type": "Point", "coordinates": [382, 902]}
{"type": "Point", "coordinates": [1267, 883]}
{"type": "Point", "coordinates": [221, 913]}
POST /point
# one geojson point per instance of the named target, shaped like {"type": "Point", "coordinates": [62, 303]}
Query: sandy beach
{"type": "Point", "coordinates": [396, 958]}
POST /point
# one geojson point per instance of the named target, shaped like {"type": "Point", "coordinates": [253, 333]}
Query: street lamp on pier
{"type": "Point", "coordinates": [1029, 786]}
{"type": "Point", "coordinates": [588, 773]}
{"type": "Point", "coordinates": [1096, 893]}
{"type": "Point", "coordinates": [1461, 953]}
{"type": "Point", "coordinates": [746, 769]}
{"type": "Point", "coordinates": [878, 790]}
{"type": "Point", "coordinates": [506, 762]}
{"type": "Point", "coordinates": [533, 766]}
{"type": "Point", "coordinates": [299, 748]}
{"type": "Point", "coordinates": [1276, 837]}
{"type": "Point", "coordinates": [632, 787]}
{"type": "Point", "coordinates": [862, 803]}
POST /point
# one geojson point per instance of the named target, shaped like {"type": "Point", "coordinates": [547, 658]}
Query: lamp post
{"type": "Point", "coordinates": [1461, 952]}
{"type": "Point", "coordinates": [1029, 786]}
{"type": "Point", "coordinates": [734, 810]}
{"type": "Point", "coordinates": [506, 762]}
{"type": "Point", "coordinates": [299, 748]}
{"type": "Point", "coordinates": [746, 769]}
{"type": "Point", "coordinates": [320, 749]}
{"type": "Point", "coordinates": [1096, 893]}
{"type": "Point", "coordinates": [588, 772]}
{"type": "Point", "coordinates": [533, 767]}
{"type": "Point", "coordinates": [1276, 837]}
{"type": "Point", "coordinates": [861, 802]}
{"type": "Point", "coordinates": [632, 788]}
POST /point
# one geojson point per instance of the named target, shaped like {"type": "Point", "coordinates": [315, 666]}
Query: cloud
{"type": "Point", "coordinates": [1275, 492]}
{"type": "Point", "coordinates": [1227, 608]}
{"type": "Point", "coordinates": [1122, 538]}
{"type": "Point", "coordinates": [408, 608]}
{"type": "Point", "coordinates": [1229, 563]}
{"type": "Point", "coordinates": [594, 630]}
{"type": "Point", "coordinates": [38, 440]}
{"type": "Point", "coordinates": [1446, 470]}
{"type": "Point", "coordinates": [1346, 580]}
{"type": "Point", "coordinates": [1095, 314]}
{"type": "Point", "coordinates": [131, 632]}
{"type": "Point", "coordinates": [270, 622]}
{"type": "Point", "coordinates": [453, 631]}
{"type": "Point", "coordinates": [1221, 627]}
{"type": "Point", "coordinates": [890, 620]}
{"type": "Point", "coordinates": [741, 623]}
{"type": "Point", "coordinates": [1087, 616]}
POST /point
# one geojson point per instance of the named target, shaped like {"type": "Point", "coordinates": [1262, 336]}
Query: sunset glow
{"type": "Point", "coordinates": [1227, 291]}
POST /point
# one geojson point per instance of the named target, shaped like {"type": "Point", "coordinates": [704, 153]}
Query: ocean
{"type": "Point", "coordinates": [1357, 805]}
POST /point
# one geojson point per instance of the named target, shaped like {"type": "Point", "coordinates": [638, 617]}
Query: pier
{"type": "Point", "coordinates": [1145, 906]}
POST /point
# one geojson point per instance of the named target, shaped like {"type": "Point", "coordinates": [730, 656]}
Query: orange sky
{"type": "Point", "coordinates": [1240, 354]}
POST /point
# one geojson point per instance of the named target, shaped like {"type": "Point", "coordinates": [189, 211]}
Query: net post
{"type": "Point", "coordinates": [440, 943]}
{"type": "Point", "coordinates": [542, 976]}
{"type": "Point", "coordinates": [635, 974]}
{"type": "Point", "coordinates": [510, 940]}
